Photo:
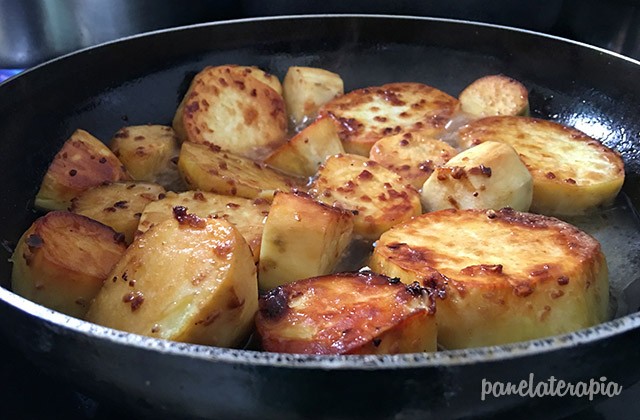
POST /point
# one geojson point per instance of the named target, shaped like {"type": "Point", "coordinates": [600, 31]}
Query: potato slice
{"type": "Point", "coordinates": [230, 108]}
{"type": "Point", "coordinates": [82, 163]}
{"type": "Point", "coordinates": [413, 156]}
{"type": "Point", "coordinates": [302, 238]}
{"type": "Point", "coordinates": [207, 168]}
{"type": "Point", "coordinates": [364, 116]}
{"type": "Point", "coordinates": [305, 152]}
{"type": "Point", "coordinates": [248, 216]}
{"type": "Point", "coordinates": [62, 260]}
{"type": "Point", "coordinates": [118, 205]}
{"type": "Point", "coordinates": [503, 276]}
{"type": "Point", "coordinates": [149, 153]}
{"type": "Point", "coordinates": [348, 313]}
{"type": "Point", "coordinates": [495, 95]}
{"type": "Point", "coordinates": [378, 197]}
{"type": "Point", "coordinates": [487, 176]}
{"type": "Point", "coordinates": [306, 89]}
{"type": "Point", "coordinates": [186, 279]}
{"type": "Point", "coordinates": [572, 173]}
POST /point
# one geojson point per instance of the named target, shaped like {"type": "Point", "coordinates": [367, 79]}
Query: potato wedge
{"type": "Point", "coordinates": [378, 197]}
{"type": "Point", "coordinates": [364, 116]}
{"type": "Point", "coordinates": [248, 216]}
{"type": "Point", "coordinates": [62, 260]}
{"type": "Point", "coordinates": [572, 173]}
{"type": "Point", "coordinates": [347, 313]}
{"type": "Point", "coordinates": [306, 89]}
{"type": "Point", "coordinates": [207, 168]}
{"type": "Point", "coordinates": [503, 276]}
{"type": "Point", "coordinates": [186, 279]}
{"type": "Point", "coordinates": [304, 153]}
{"type": "Point", "coordinates": [495, 95]}
{"type": "Point", "coordinates": [118, 205]}
{"type": "Point", "coordinates": [83, 162]}
{"type": "Point", "coordinates": [149, 153]}
{"type": "Point", "coordinates": [413, 156]}
{"type": "Point", "coordinates": [302, 238]}
{"type": "Point", "coordinates": [232, 109]}
{"type": "Point", "coordinates": [487, 176]}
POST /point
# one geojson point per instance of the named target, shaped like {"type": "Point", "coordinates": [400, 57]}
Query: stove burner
{"type": "Point", "coordinates": [7, 73]}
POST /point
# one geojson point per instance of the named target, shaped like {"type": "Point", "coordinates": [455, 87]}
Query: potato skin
{"type": "Point", "coordinates": [502, 276]}
{"type": "Point", "coordinates": [186, 279]}
{"type": "Point", "coordinates": [83, 162]}
{"type": "Point", "coordinates": [364, 116]}
{"type": "Point", "coordinates": [62, 260]}
{"type": "Point", "coordinates": [302, 238]}
{"type": "Point", "coordinates": [347, 313]}
{"type": "Point", "coordinates": [118, 205]}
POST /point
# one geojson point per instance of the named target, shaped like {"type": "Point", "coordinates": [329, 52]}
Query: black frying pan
{"type": "Point", "coordinates": [141, 80]}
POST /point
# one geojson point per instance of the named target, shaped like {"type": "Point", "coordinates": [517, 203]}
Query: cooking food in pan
{"type": "Point", "coordinates": [253, 208]}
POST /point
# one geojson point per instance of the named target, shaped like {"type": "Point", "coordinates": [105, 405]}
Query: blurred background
{"type": "Point", "coordinates": [34, 31]}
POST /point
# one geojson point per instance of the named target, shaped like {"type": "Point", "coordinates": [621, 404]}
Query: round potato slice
{"type": "Point", "coordinates": [347, 313]}
{"type": "Point", "coordinates": [495, 95]}
{"type": "Point", "coordinates": [572, 173]}
{"type": "Point", "coordinates": [502, 276]}
{"type": "Point", "coordinates": [364, 116]}
{"type": "Point", "coordinates": [62, 260]}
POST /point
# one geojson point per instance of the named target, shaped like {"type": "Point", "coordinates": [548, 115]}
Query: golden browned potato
{"type": "Point", "coordinates": [308, 88]}
{"type": "Point", "coordinates": [487, 176]}
{"type": "Point", "coordinates": [347, 313]}
{"type": "Point", "coordinates": [413, 156]}
{"type": "Point", "coordinates": [207, 168]}
{"type": "Point", "coordinates": [248, 216]}
{"type": "Point", "coordinates": [229, 107]}
{"type": "Point", "coordinates": [502, 276]}
{"type": "Point", "coordinates": [364, 116]}
{"type": "Point", "coordinates": [572, 172]}
{"type": "Point", "coordinates": [150, 153]}
{"type": "Point", "coordinates": [304, 153]}
{"type": "Point", "coordinates": [186, 279]}
{"type": "Point", "coordinates": [378, 197]}
{"type": "Point", "coordinates": [82, 163]}
{"type": "Point", "coordinates": [302, 238]}
{"type": "Point", "coordinates": [62, 260]}
{"type": "Point", "coordinates": [118, 205]}
{"type": "Point", "coordinates": [495, 95]}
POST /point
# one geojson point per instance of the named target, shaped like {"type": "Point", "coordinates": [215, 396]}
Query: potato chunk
{"type": "Point", "coordinates": [149, 153]}
{"type": "Point", "coordinates": [495, 95]}
{"type": "Point", "coordinates": [229, 107]}
{"type": "Point", "coordinates": [377, 196]}
{"type": "Point", "coordinates": [487, 176]}
{"type": "Point", "coordinates": [302, 238]}
{"type": "Point", "coordinates": [248, 216]}
{"type": "Point", "coordinates": [186, 279]}
{"type": "Point", "coordinates": [62, 260]}
{"type": "Point", "coordinates": [572, 173]}
{"type": "Point", "coordinates": [502, 276]}
{"type": "Point", "coordinates": [118, 205]}
{"type": "Point", "coordinates": [306, 89]}
{"type": "Point", "coordinates": [207, 168]}
{"type": "Point", "coordinates": [305, 152]}
{"type": "Point", "coordinates": [82, 163]}
{"type": "Point", "coordinates": [413, 156]}
{"type": "Point", "coordinates": [348, 313]}
{"type": "Point", "coordinates": [364, 116]}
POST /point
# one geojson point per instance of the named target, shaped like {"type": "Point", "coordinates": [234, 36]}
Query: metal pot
{"type": "Point", "coordinates": [595, 90]}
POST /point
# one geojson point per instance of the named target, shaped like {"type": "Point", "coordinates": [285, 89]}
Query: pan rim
{"type": "Point", "coordinates": [56, 320]}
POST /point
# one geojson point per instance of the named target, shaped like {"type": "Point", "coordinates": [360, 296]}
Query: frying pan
{"type": "Point", "coordinates": [141, 80]}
